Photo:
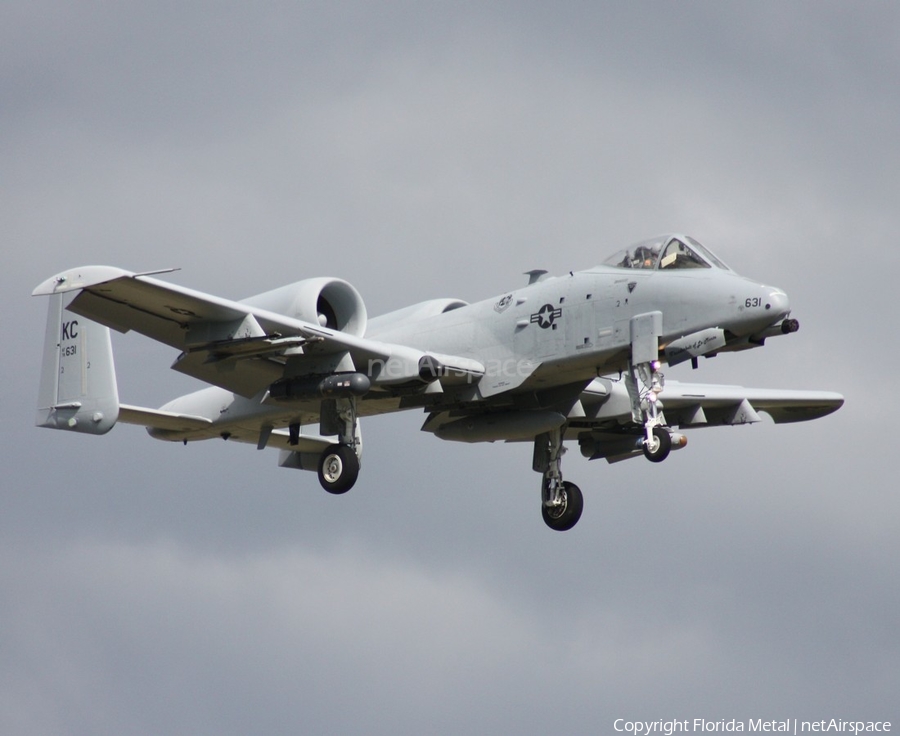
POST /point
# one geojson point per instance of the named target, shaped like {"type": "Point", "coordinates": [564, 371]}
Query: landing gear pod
{"type": "Point", "coordinates": [334, 386]}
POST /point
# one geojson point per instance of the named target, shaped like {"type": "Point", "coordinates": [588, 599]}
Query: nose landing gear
{"type": "Point", "coordinates": [657, 448]}
{"type": "Point", "coordinates": [646, 409]}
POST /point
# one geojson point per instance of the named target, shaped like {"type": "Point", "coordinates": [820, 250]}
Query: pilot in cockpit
{"type": "Point", "coordinates": [666, 253]}
{"type": "Point", "coordinates": [678, 255]}
{"type": "Point", "coordinates": [645, 256]}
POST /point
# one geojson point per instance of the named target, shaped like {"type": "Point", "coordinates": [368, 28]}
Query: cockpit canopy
{"type": "Point", "coordinates": [666, 252]}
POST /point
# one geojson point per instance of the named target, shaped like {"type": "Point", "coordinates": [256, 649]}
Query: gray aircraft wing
{"type": "Point", "coordinates": [699, 404]}
{"type": "Point", "coordinates": [602, 422]}
{"type": "Point", "coordinates": [238, 346]}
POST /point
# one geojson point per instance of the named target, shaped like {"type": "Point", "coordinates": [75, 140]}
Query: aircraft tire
{"type": "Point", "coordinates": [664, 448]}
{"type": "Point", "coordinates": [563, 519]}
{"type": "Point", "coordinates": [338, 469]}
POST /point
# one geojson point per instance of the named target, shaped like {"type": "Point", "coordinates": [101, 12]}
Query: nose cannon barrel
{"type": "Point", "coordinates": [785, 327]}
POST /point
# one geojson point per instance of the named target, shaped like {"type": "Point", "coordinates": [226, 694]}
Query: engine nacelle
{"type": "Point", "coordinates": [327, 302]}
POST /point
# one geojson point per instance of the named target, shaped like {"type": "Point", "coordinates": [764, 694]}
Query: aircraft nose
{"type": "Point", "coordinates": [778, 304]}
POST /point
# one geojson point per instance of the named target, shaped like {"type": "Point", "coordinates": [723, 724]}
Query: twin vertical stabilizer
{"type": "Point", "coordinates": [78, 379]}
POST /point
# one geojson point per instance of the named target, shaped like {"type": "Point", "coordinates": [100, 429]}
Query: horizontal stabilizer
{"type": "Point", "coordinates": [165, 420]}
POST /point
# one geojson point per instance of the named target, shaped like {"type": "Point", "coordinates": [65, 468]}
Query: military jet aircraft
{"type": "Point", "coordinates": [569, 358]}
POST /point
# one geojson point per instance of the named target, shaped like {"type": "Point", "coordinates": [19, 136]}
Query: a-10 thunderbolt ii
{"type": "Point", "coordinates": [575, 357]}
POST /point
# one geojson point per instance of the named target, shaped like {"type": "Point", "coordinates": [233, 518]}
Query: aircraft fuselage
{"type": "Point", "coordinates": [559, 331]}
{"type": "Point", "coordinates": [580, 324]}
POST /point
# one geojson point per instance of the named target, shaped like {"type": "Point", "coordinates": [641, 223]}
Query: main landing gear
{"type": "Point", "coordinates": [561, 501]}
{"type": "Point", "coordinates": [562, 507]}
{"type": "Point", "coordinates": [339, 463]}
{"type": "Point", "coordinates": [338, 469]}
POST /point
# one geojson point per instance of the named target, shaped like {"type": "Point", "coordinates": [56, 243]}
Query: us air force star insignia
{"type": "Point", "coordinates": [546, 315]}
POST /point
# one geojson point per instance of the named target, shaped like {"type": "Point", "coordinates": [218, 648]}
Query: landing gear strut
{"type": "Point", "coordinates": [646, 408]}
{"type": "Point", "coordinates": [339, 463]}
{"type": "Point", "coordinates": [561, 501]}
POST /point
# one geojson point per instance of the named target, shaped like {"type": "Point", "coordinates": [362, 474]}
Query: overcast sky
{"type": "Point", "coordinates": [442, 150]}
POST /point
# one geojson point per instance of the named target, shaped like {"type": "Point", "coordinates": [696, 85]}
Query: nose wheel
{"type": "Point", "coordinates": [658, 446]}
{"type": "Point", "coordinates": [646, 409]}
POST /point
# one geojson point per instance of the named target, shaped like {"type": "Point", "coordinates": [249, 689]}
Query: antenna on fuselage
{"type": "Point", "coordinates": [535, 275]}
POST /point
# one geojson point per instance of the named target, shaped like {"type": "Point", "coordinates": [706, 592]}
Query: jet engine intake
{"type": "Point", "coordinates": [325, 302]}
